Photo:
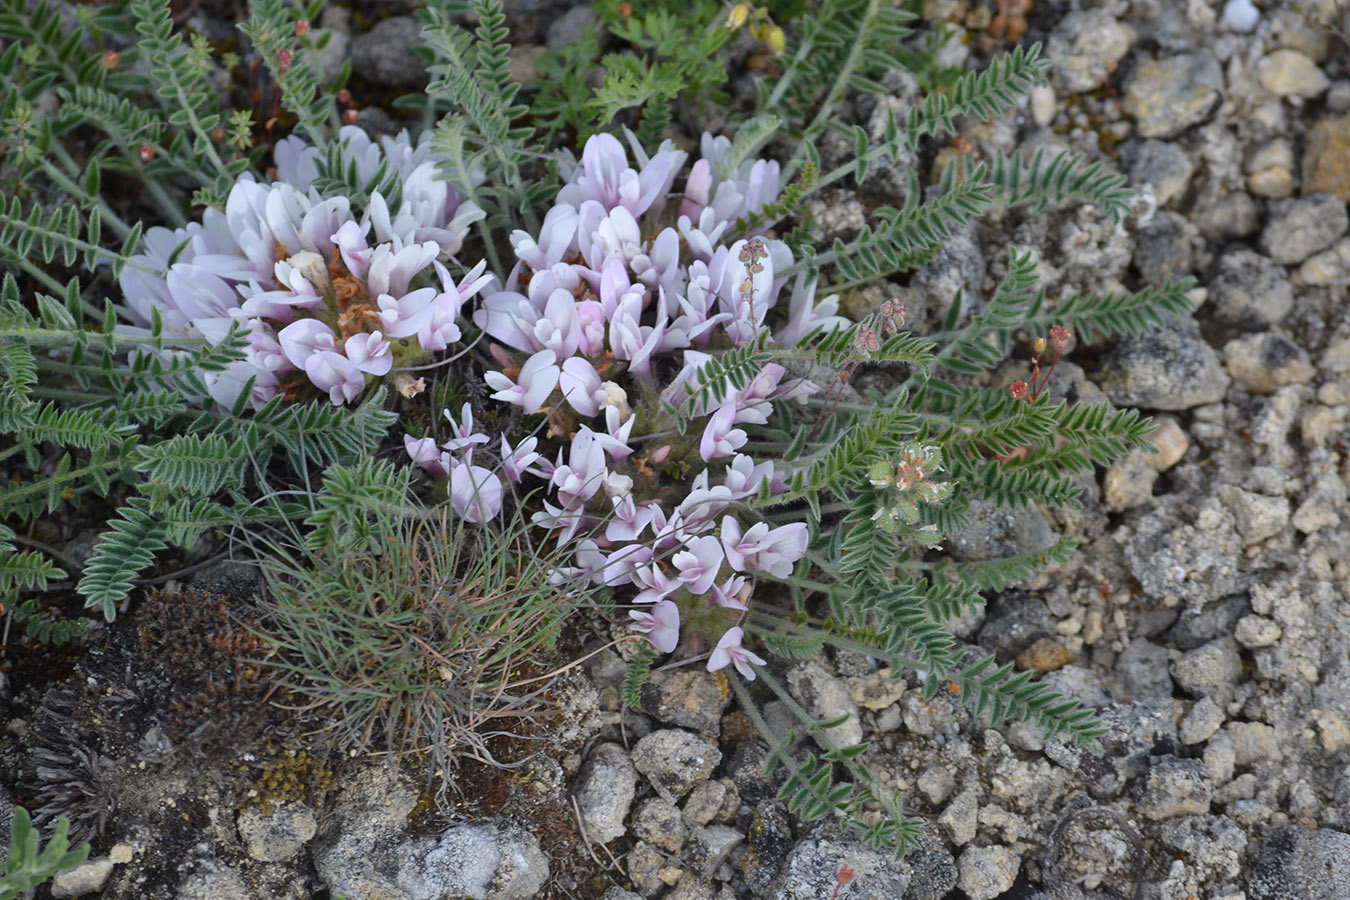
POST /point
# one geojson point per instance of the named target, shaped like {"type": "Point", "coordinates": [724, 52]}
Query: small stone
{"type": "Point", "coordinates": [1300, 863]}
{"type": "Point", "coordinates": [1220, 758]}
{"type": "Point", "coordinates": [826, 697]}
{"type": "Point", "coordinates": [1266, 362]}
{"type": "Point", "coordinates": [704, 802]}
{"type": "Point", "coordinates": [1046, 655]}
{"type": "Point", "coordinates": [278, 836]}
{"type": "Point", "coordinates": [1274, 152]}
{"type": "Point", "coordinates": [644, 868]}
{"type": "Point", "coordinates": [1141, 670]}
{"type": "Point", "coordinates": [1326, 158]}
{"type": "Point", "coordinates": [1275, 182]}
{"type": "Point", "coordinates": [1210, 671]}
{"type": "Point", "coordinates": [658, 822]}
{"type": "Point", "coordinates": [383, 55]}
{"type": "Point", "coordinates": [604, 792]}
{"type": "Point", "coordinates": [936, 783]}
{"type": "Point", "coordinates": [995, 533]}
{"type": "Point", "coordinates": [1172, 369]}
{"type": "Point", "coordinates": [987, 872]}
{"type": "Point", "coordinates": [770, 840]}
{"type": "Point", "coordinates": [1288, 73]}
{"type": "Point", "coordinates": [1167, 96]}
{"type": "Point", "coordinates": [1248, 291]}
{"type": "Point", "coordinates": [1328, 267]}
{"type": "Point", "coordinates": [1201, 722]}
{"type": "Point", "coordinates": [876, 690]}
{"type": "Point", "coordinates": [1256, 516]}
{"type": "Point", "coordinates": [1300, 228]}
{"type": "Point", "coordinates": [674, 761]}
{"type": "Point", "coordinates": [685, 697]}
{"type": "Point", "coordinates": [1162, 250]}
{"type": "Point", "coordinates": [1321, 508]}
{"type": "Point", "coordinates": [1254, 632]}
{"type": "Point", "coordinates": [1129, 481]}
{"type": "Point", "coordinates": [89, 877]}
{"type": "Point", "coordinates": [1161, 164]}
{"type": "Point", "coordinates": [1084, 48]}
{"type": "Point", "coordinates": [961, 817]}
{"type": "Point", "coordinates": [1174, 787]}
{"type": "Point", "coordinates": [711, 845]}
{"type": "Point", "coordinates": [1254, 742]}
{"type": "Point", "coordinates": [1240, 16]}
{"type": "Point", "coordinates": [567, 28]}
{"type": "Point", "coordinates": [1171, 442]}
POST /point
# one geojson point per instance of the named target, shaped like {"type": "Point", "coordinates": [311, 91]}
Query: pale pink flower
{"type": "Point", "coordinates": [730, 651]}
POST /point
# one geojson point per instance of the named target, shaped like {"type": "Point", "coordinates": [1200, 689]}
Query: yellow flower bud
{"type": "Point", "coordinates": [1038, 346]}
{"type": "Point", "coordinates": [738, 16]}
{"type": "Point", "coordinates": [776, 40]}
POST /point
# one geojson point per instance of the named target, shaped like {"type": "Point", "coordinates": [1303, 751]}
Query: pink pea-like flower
{"type": "Point", "coordinates": [730, 652]}
{"type": "Point", "coordinates": [661, 624]}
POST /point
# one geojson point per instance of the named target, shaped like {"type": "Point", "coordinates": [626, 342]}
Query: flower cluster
{"type": "Point", "coordinates": [604, 326]}
{"type": "Point", "coordinates": [905, 483]}
{"type": "Point", "coordinates": [325, 298]}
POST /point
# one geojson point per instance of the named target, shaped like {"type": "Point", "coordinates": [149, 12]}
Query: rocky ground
{"type": "Point", "coordinates": [1207, 616]}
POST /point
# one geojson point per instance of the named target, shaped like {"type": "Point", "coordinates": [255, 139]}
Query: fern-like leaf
{"type": "Point", "coordinates": [127, 547]}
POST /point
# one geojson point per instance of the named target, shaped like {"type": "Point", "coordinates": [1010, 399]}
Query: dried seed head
{"type": "Point", "coordinates": [302, 28]}
{"type": "Point", "coordinates": [1018, 389]}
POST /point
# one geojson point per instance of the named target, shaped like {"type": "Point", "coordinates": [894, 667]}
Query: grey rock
{"type": "Point", "coordinates": [644, 868]}
{"type": "Point", "coordinates": [604, 791]}
{"type": "Point", "coordinates": [1084, 49]}
{"type": "Point", "coordinates": [1077, 683]}
{"type": "Point", "coordinates": [686, 698]}
{"type": "Point", "coordinates": [363, 833]}
{"type": "Point", "coordinates": [1298, 863]}
{"type": "Point", "coordinates": [690, 887]}
{"type": "Point", "coordinates": [1195, 628]}
{"type": "Point", "coordinates": [89, 877]}
{"type": "Point", "coordinates": [658, 822]}
{"type": "Point", "coordinates": [826, 697]}
{"type": "Point", "coordinates": [212, 880]}
{"type": "Point", "coordinates": [961, 817]}
{"type": "Point", "coordinates": [1299, 228]}
{"type": "Point", "coordinates": [278, 836]}
{"type": "Point", "coordinates": [936, 783]}
{"type": "Point", "coordinates": [1171, 369]}
{"type": "Point", "coordinates": [1141, 670]}
{"type": "Point", "coordinates": [1210, 670]}
{"type": "Point", "coordinates": [1201, 722]}
{"type": "Point", "coordinates": [1167, 96]}
{"type": "Point", "coordinates": [674, 761]}
{"type": "Point", "coordinates": [384, 55]}
{"type": "Point", "coordinates": [747, 773]}
{"type": "Point", "coordinates": [1231, 216]}
{"type": "Point", "coordinates": [811, 870]}
{"type": "Point", "coordinates": [1288, 73]}
{"type": "Point", "coordinates": [1195, 562]}
{"type": "Point", "coordinates": [1257, 516]}
{"type": "Point", "coordinates": [614, 892]}
{"type": "Point", "coordinates": [495, 861]}
{"type": "Point", "coordinates": [1254, 632]}
{"type": "Point", "coordinates": [770, 838]}
{"type": "Point", "coordinates": [1214, 845]}
{"type": "Point", "coordinates": [1220, 757]}
{"type": "Point", "coordinates": [1134, 731]}
{"type": "Point", "coordinates": [1161, 164]}
{"type": "Point", "coordinates": [987, 872]}
{"type": "Point", "coordinates": [1264, 363]}
{"type": "Point", "coordinates": [933, 872]}
{"type": "Point", "coordinates": [1322, 507]}
{"type": "Point", "coordinates": [704, 802]}
{"type": "Point", "coordinates": [1254, 742]}
{"type": "Point", "coordinates": [711, 845]}
{"type": "Point", "coordinates": [1328, 267]}
{"type": "Point", "coordinates": [1129, 481]}
{"type": "Point", "coordinates": [1248, 291]}
{"type": "Point", "coordinates": [1174, 787]}
{"type": "Point", "coordinates": [567, 28]}
{"type": "Point", "coordinates": [1162, 251]}
{"type": "Point", "coordinates": [995, 533]}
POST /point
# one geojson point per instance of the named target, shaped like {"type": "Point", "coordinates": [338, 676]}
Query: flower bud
{"type": "Point", "coordinates": [738, 16]}
{"type": "Point", "coordinates": [344, 97]}
{"type": "Point", "coordinates": [146, 153]}
{"type": "Point", "coordinates": [349, 117]}
{"type": "Point", "coordinates": [1059, 338]}
{"type": "Point", "coordinates": [1038, 346]}
{"type": "Point", "coordinates": [1018, 389]}
{"type": "Point", "coordinates": [111, 59]}
{"type": "Point", "coordinates": [659, 455]}
{"type": "Point", "coordinates": [775, 39]}
{"type": "Point", "coordinates": [302, 28]}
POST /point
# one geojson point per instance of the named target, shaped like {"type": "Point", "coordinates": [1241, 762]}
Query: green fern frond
{"type": "Point", "coordinates": [793, 646]}
{"type": "Point", "coordinates": [1066, 177]}
{"type": "Point", "coordinates": [43, 627]}
{"type": "Point", "coordinates": [1009, 487]}
{"type": "Point", "coordinates": [27, 570]}
{"type": "Point", "coordinates": [318, 434]}
{"type": "Point", "coordinates": [18, 375]}
{"type": "Point", "coordinates": [356, 505]}
{"type": "Point", "coordinates": [983, 343]}
{"type": "Point", "coordinates": [1003, 695]}
{"type": "Point", "coordinates": [727, 373]}
{"type": "Point", "coordinates": [127, 547]}
{"type": "Point", "coordinates": [997, 574]}
{"type": "Point", "coordinates": [984, 94]}
{"type": "Point", "coordinates": [1094, 315]}
{"type": "Point", "coordinates": [85, 429]}
{"type": "Point", "coordinates": [193, 464]}
{"type": "Point", "coordinates": [868, 554]}
{"type": "Point", "coordinates": [639, 665]}
{"type": "Point", "coordinates": [187, 518]}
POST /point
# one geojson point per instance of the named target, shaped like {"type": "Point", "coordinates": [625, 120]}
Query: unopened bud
{"type": "Point", "coordinates": [350, 116]}
{"type": "Point", "coordinates": [284, 59]}
{"type": "Point", "coordinates": [1059, 338]}
{"type": "Point", "coordinates": [111, 59]}
{"type": "Point", "coordinates": [1018, 389]}
{"type": "Point", "coordinates": [302, 28]}
{"type": "Point", "coordinates": [625, 9]}
{"type": "Point", "coordinates": [217, 133]}
{"type": "Point", "coordinates": [1038, 346]}
{"type": "Point", "coordinates": [146, 153]}
{"type": "Point", "coordinates": [344, 97]}
{"type": "Point", "coordinates": [775, 39]}
{"type": "Point", "coordinates": [659, 455]}
{"type": "Point", "coordinates": [738, 16]}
